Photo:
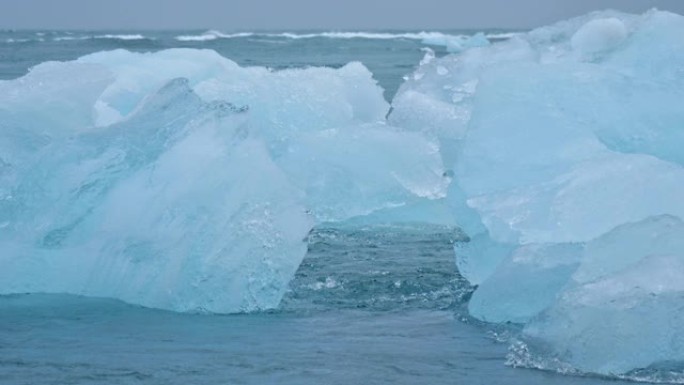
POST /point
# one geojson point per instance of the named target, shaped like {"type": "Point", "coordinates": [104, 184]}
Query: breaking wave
{"type": "Point", "coordinates": [435, 38]}
{"type": "Point", "coordinates": [125, 37]}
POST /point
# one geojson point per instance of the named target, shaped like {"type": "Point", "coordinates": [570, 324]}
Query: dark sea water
{"type": "Point", "coordinates": [367, 306]}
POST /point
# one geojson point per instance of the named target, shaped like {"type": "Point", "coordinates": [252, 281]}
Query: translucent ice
{"type": "Point", "coordinates": [565, 148]}
{"type": "Point", "coordinates": [629, 320]}
{"type": "Point", "coordinates": [457, 43]}
{"type": "Point", "coordinates": [165, 210]}
{"type": "Point", "coordinates": [300, 114]}
{"type": "Point", "coordinates": [526, 283]}
{"type": "Point", "coordinates": [284, 103]}
{"type": "Point", "coordinates": [628, 244]}
{"type": "Point", "coordinates": [353, 171]}
{"type": "Point", "coordinates": [621, 309]}
{"type": "Point", "coordinates": [181, 181]}
{"type": "Point", "coordinates": [581, 204]}
{"type": "Point", "coordinates": [599, 35]}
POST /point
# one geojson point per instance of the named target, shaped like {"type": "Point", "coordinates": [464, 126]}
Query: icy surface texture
{"type": "Point", "coordinates": [532, 276]}
{"type": "Point", "coordinates": [284, 103]}
{"type": "Point", "coordinates": [623, 309]}
{"type": "Point", "coordinates": [456, 43]}
{"type": "Point", "coordinates": [353, 171]}
{"type": "Point", "coordinates": [167, 209]}
{"type": "Point", "coordinates": [325, 127]}
{"type": "Point", "coordinates": [565, 148]}
{"type": "Point", "coordinates": [179, 180]}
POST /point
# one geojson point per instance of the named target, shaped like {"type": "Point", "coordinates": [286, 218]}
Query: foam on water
{"type": "Point", "coordinates": [430, 38]}
{"type": "Point", "coordinates": [212, 35]}
{"type": "Point", "coordinates": [450, 40]}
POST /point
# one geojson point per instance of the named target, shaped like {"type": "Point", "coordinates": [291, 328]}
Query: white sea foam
{"type": "Point", "coordinates": [428, 38]}
{"type": "Point", "coordinates": [125, 37]}
{"type": "Point", "coordinates": [70, 38]}
{"type": "Point", "coordinates": [431, 38]}
{"type": "Point", "coordinates": [212, 35]}
{"type": "Point", "coordinates": [121, 37]}
{"type": "Point", "coordinates": [11, 40]}
{"type": "Point", "coordinates": [502, 35]}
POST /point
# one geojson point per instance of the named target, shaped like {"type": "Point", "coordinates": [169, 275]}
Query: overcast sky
{"type": "Point", "coordinates": [303, 14]}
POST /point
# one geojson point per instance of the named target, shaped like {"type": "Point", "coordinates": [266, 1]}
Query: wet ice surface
{"type": "Point", "coordinates": [365, 307]}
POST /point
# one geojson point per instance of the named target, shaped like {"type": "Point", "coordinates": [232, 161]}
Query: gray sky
{"type": "Point", "coordinates": [303, 14]}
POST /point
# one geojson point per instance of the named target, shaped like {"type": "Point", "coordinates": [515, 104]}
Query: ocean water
{"type": "Point", "coordinates": [389, 57]}
{"type": "Point", "coordinates": [367, 305]}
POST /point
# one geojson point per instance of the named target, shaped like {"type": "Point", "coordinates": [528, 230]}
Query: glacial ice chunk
{"type": "Point", "coordinates": [53, 99]}
{"type": "Point", "coordinates": [582, 204]}
{"type": "Point", "coordinates": [628, 244]}
{"type": "Point", "coordinates": [526, 283]}
{"type": "Point", "coordinates": [299, 113]}
{"type": "Point", "coordinates": [284, 103]}
{"type": "Point", "coordinates": [167, 209]}
{"type": "Point", "coordinates": [354, 171]}
{"type": "Point", "coordinates": [630, 320]}
{"type": "Point", "coordinates": [599, 35]}
{"type": "Point", "coordinates": [179, 180]}
{"type": "Point", "coordinates": [479, 257]}
{"type": "Point", "coordinates": [565, 148]}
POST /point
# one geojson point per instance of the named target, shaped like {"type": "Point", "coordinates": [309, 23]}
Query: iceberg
{"type": "Point", "coordinates": [283, 103]}
{"type": "Point", "coordinates": [179, 180]}
{"type": "Point", "coordinates": [166, 210]}
{"type": "Point", "coordinates": [525, 283]}
{"type": "Point", "coordinates": [355, 171]}
{"type": "Point", "coordinates": [564, 144]}
{"type": "Point", "coordinates": [630, 280]}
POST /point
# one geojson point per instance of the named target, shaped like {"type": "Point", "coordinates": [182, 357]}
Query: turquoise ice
{"type": "Point", "coordinates": [565, 146]}
{"type": "Point", "coordinates": [179, 180]}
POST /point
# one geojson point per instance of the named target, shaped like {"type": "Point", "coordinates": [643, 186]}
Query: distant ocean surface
{"type": "Point", "coordinates": [390, 55]}
{"type": "Point", "coordinates": [367, 306]}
